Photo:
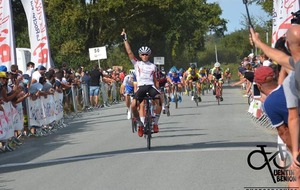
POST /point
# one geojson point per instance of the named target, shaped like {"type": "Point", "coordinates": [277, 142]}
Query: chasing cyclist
{"type": "Point", "coordinates": [217, 78]}
{"type": "Point", "coordinates": [174, 78]}
{"type": "Point", "coordinates": [194, 76]}
{"type": "Point", "coordinates": [127, 90]}
{"type": "Point", "coordinates": [147, 83]}
{"type": "Point", "coordinates": [227, 75]}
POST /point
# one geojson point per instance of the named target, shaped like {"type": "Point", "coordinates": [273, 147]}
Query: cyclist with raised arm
{"type": "Point", "coordinates": [174, 78]}
{"type": "Point", "coordinates": [127, 89]}
{"type": "Point", "coordinates": [147, 83]}
{"type": "Point", "coordinates": [218, 78]}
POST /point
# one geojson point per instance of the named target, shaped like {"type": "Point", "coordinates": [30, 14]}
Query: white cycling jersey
{"type": "Point", "coordinates": [128, 81]}
{"type": "Point", "coordinates": [144, 72]}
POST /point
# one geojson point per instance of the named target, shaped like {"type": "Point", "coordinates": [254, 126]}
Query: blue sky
{"type": "Point", "coordinates": [233, 11]}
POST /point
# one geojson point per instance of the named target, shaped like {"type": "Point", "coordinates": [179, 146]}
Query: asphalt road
{"type": "Point", "coordinates": [204, 147]}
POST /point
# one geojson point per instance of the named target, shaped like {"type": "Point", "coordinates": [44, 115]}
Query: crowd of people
{"type": "Point", "coordinates": [274, 72]}
{"type": "Point", "coordinates": [81, 90]}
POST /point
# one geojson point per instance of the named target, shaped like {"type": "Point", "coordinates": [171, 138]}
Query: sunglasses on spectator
{"type": "Point", "coordinates": [144, 54]}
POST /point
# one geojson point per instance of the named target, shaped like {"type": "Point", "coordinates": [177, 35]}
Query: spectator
{"type": "Point", "coordinates": [95, 80]}
{"type": "Point", "coordinates": [276, 107]}
{"type": "Point", "coordinates": [36, 75]}
{"type": "Point", "coordinates": [264, 59]}
{"type": "Point", "coordinates": [3, 68]}
{"type": "Point", "coordinates": [30, 68]}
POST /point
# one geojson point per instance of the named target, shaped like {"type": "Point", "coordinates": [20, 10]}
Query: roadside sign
{"type": "Point", "coordinates": [97, 53]}
{"type": "Point", "coordinates": [159, 60]}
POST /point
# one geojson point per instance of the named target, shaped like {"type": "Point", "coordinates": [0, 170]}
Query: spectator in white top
{"type": "Point", "coordinates": [36, 75]}
{"type": "Point", "coordinates": [264, 59]}
{"type": "Point", "coordinates": [30, 68]}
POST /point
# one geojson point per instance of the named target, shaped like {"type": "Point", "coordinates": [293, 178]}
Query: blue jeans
{"type": "Point", "coordinates": [94, 90]}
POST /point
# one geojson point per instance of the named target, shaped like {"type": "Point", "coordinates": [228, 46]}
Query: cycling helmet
{"type": "Point", "coordinates": [201, 68]}
{"type": "Point", "coordinates": [227, 69]}
{"type": "Point", "coordinates": [132, 72]}
{"type": "Point", "coordinates": [193, 66]}
{"type": "Point", "coordinates": [145, 50]}
{"type": "Point", "coordinates": [217, 64]}
{"type": "Point", "coordinates": [173, 70]}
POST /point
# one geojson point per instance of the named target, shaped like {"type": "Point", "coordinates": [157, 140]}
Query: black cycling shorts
{"type": "Point", "coordinates": [142, 91]}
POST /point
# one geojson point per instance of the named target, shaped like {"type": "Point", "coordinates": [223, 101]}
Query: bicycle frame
{"type": "Point", "coordinates": [175, 95]}
{"type": "Point", "coordinates": [166, 100]}
{"type": "Point", "coordinates": [195, 92]}
{"type": "Point", "coordinates": [218, 91]}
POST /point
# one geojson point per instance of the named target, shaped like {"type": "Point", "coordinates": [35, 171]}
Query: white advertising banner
{"type": "Point", "coordinates": [282, 16]}
{"type": "Point", "coordinates": [37, 28]}
{"type": "Point", "coordinates": [7, 41]}
{"type": "Point", "coordinates": [44, 111]}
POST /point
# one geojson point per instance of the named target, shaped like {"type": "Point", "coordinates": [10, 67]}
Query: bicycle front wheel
{"type": "Point", "coordinates": [218, 94]}
{"type": "Point", "coordinates": [149, 139]}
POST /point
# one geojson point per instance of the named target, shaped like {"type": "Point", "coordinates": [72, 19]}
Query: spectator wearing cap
{"type": "Point", "coordinates": [281, 106]}
{"type": "Point", "coordinates": [275, 106]}
{"type": "Point", "coordinates": [3, 68]}
{"type": "Point", "coordinates": [264, 59]}
{"type": "Point", "coordinates": [36, 75]}
{"type": "Point", "coordinates": [30, 68]}
{"type": "Point", "coordinates": [251, 57]}
{"type": "Point", "coordinates": [7, 93]}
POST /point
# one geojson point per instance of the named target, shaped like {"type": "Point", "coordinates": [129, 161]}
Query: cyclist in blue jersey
{"type": "Point", "coordinates": [174, 78]}
{"type": "Point", "coordinates": [127, 89]}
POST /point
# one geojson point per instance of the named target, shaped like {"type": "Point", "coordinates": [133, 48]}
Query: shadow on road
{"type": "Point", "coordinates": [2, 182]}
{"type": "Point", "coordinates": [180, 147]}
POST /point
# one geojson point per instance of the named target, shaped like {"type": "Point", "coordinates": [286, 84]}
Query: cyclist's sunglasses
{"type": "Point", "coordinates": [144, 55]}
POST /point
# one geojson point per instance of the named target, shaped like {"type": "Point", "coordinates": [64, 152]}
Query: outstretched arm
{"type": "Point", "coordinates": [276, 55]}
{"type": "Point", "coordinates": [127, 46]}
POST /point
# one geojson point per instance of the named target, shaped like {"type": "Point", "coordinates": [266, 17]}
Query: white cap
{"type": "Point", "coordinates": [251, 55]}
{"type": "Point", "coordinates": [267, 63]}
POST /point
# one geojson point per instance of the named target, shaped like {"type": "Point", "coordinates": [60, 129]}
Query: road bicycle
{"type": "Point", "coordinates": [175, 94]}
{"type": "Point", "coordinates": [166, 100]}
{"type": "Point", "coordinates": [197, 97]}
{"type": "Point", "coordinates": [148, 125]}
{"type": "Point", "coordinates": [133, 120]}
{"type": "Point", "coordinates": [218, 90]}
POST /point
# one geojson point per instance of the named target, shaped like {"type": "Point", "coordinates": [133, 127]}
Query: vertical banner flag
{"type": "Point", "coordinates": [39, 41]}
{"type": "Point", "coordinates": [282, 15]}
{"type": "Point", "coordinates": [7, 41]}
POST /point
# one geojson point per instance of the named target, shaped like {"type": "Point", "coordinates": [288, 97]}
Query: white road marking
{"type": "Point", "coordinates": [78, 158]}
